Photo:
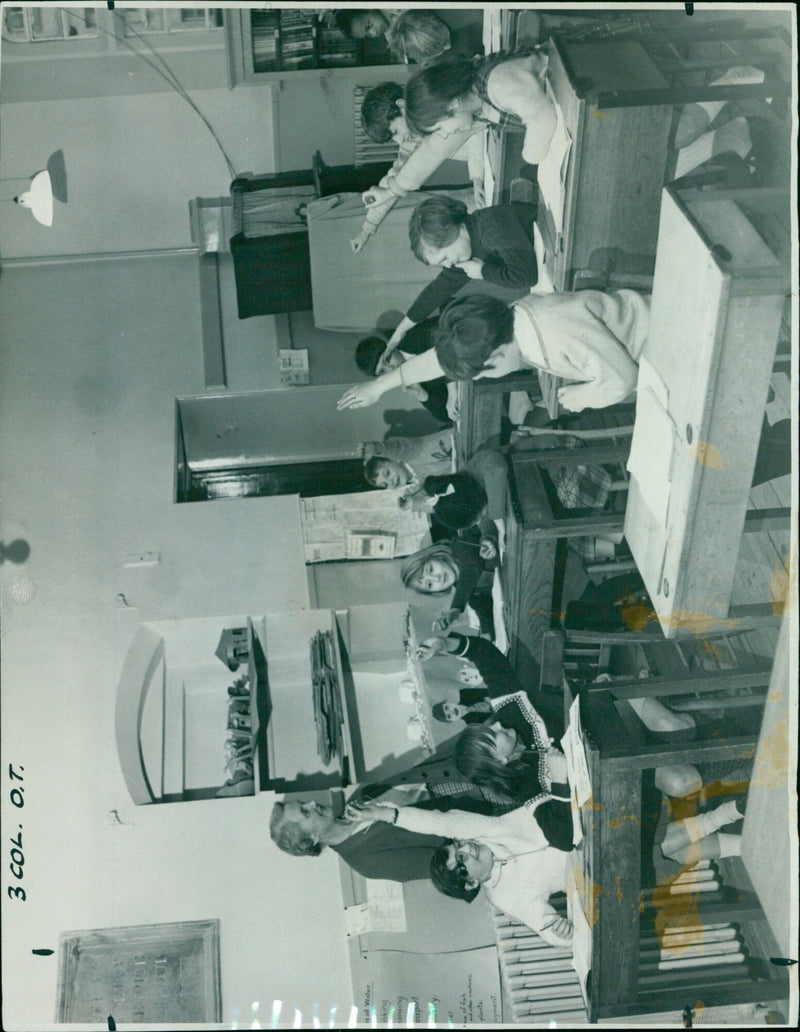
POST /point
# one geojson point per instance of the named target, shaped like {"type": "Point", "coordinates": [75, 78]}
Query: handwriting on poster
{"type": "Point", "coordinates": [17, 797]}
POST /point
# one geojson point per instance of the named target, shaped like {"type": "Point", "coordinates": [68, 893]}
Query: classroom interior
{"type": "Point", "coordinates": [159, 456]}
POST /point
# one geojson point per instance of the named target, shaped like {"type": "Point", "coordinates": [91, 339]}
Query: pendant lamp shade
{"type": "Point", "coordinates": [39, 198]}
{"type": "Point", "coordinates": [46, 186]}
{"type": "Point", "coordinates": [58, 175]}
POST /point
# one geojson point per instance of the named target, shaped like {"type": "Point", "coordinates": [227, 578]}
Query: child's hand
{"type": "Point", "coordinates": [383, 365]}
{"type": "Point", "coordinates": [444, 619]}
{"type": "Point", "coordinates": [359, 242]}
{"type": "Point", "coordinates": [479, 193]}
{"type": "Point", "coordinates": [566, 399]}
{"type": "Point", "coordinates": [431, 647]}
{"type": "Point", "coordinates": [376, 195]}
{"type": "Point", "coordinates": [557, 765]}
{"type": "Point", "coordinates": [368, 449]}
{"type": "Point", "coordinates": [473, 268]}
{"type": "Point", "coordinates": [362, 396]}
{"type": "Point", "coordinates": [488, 548]}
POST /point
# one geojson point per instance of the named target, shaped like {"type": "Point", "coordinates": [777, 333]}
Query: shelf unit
{"type": "Point", "coordinates": [264, 44]}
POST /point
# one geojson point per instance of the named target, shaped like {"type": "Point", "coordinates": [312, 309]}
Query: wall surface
{"type": "Point", "coordinates": [92, 358]}
{"type": "Point", "coordinates": [133, 163]}
{"type": "Point", "coordinates": [93, 355]}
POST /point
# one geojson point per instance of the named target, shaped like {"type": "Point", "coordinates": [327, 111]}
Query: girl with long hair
{"type": "Point", "coordinates": [457, 566]}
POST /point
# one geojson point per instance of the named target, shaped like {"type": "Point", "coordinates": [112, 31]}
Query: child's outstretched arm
{"type": "Point", "coordinates": [428, 155]}
{"type": "Point", "coordinates": [376, 213]}
{"type": "Point", "coordinates": [416, 370]}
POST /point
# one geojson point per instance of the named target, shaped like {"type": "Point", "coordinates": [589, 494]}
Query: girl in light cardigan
{"type": "Point", "coordinates": [506, 89]}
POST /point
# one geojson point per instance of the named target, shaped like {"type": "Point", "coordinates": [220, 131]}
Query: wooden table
{"type": "Point", "coordinates": [481, 409]}
{"type": "Point", "coordinates": [617, 160]}
{"type": "Point", "coordinates": [536, 543]}
{"type": "Point", "coordinates": [718, 295]}
{"type": "Point", "coordinates": [620, 907]}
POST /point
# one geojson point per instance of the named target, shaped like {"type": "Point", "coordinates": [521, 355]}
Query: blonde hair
{"type": "Point", "coordinates": [418, 36]}
{"type": "Point", "coordinates": [413, 565]}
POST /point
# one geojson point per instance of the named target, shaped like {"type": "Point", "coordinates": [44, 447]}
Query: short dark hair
{"type": "Point", "coordinates": [368, 353]}
{"type": "Point", "coordinates": [451, 881]}
{"type": "Point", "coordinates": [379, 108]}
{"type": "Point", "coordinates": [463, 506]}
{"type": "Point", "coordinates": [437, 709]}
{"type": "Point", "coordinates": [435, 223]}
{"type": "Point", "coordinates": [373, 466]}
{"type": "Point", "coordinates": [344, 17]}
{"type": "Point", "coordinates": [470, 329]}
{"type": "Point", "coordinates": [430, 92]}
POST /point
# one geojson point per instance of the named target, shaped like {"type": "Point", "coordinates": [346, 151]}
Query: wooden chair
{"type": "Point", "coordinates": [712, 674]}
{"type": "Point", "coordinates": [538, 529]}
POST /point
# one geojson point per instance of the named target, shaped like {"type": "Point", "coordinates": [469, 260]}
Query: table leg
{"type": "Point", "coordinates": [616, 836]}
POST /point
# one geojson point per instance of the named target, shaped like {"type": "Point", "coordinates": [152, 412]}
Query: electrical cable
{"type": "Point", "coordinates": [165, 72]}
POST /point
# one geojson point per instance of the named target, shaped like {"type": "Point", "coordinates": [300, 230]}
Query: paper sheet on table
{"type": "Point", "coordinates": [582, 933]}
{"type": "Point", "coordinates": [575, 753]}
{"type": "Point", "coordinates": [650, 459]}
{"type": "Point", "coordinates": [551, 174]}
{"type": "Point", "coordinates": [500, 636]}
{"type": "Point", "coordinates": [649, 377]}
{"type": "Point", "coordinates": [544, 284]}
{"type": "Point", "coordinates": [488, 171]}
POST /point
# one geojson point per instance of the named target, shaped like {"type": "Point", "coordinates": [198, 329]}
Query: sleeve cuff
{"type": "Point", "coordinates": [396, 189]}
{"type": "Point", "coordinates": [463, 644]}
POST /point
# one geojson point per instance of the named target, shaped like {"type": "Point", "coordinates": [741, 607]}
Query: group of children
{"type": "Point", "coordinates": [518, 852]}
{"type": "Point", "coordinates": [591, 341]}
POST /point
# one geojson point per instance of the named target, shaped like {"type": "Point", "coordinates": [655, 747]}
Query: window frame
{"type": "Point", "coordinates": [111, 37]}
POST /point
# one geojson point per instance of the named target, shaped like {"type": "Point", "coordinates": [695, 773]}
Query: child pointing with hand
{"type": "Point", "coordinates": [494, 244]}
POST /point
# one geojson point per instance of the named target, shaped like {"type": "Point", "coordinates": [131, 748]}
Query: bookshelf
{"type": "Point", "coordinates": [264, 43]}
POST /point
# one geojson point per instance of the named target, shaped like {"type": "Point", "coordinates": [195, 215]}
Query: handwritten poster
{"type": "Point", "coordinates": [448, 988]}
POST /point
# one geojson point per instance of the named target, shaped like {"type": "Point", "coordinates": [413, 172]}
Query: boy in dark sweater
{"type": "Point", "coordinates": [494, 245]}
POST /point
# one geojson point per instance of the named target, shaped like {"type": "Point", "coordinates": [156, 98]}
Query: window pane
{"type": "Point", "coordinates": [82, 22]}
{"type": "Point", "coordinates": [192, 17]}
{"type": "Point", "coordinates": [46, 23]}
{"type": "Point", "coordinates": [142, 19]}
{"type": "Point", "coordinates": [185, 19]}
{"type": "Point", "coordinates": [14, 25]}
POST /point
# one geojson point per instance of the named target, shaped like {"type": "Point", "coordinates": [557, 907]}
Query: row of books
{"type": "Point", "coordinates": [292, 39]}
{"type": "Point", "coordinates": [328, 714]}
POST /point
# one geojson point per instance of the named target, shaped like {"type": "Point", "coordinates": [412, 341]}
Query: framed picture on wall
{"type": "Point", "coordinates": [140, 973]}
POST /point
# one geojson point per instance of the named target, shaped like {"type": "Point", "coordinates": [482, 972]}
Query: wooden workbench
{"type": "Point", "coordinates": [718, 295]}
